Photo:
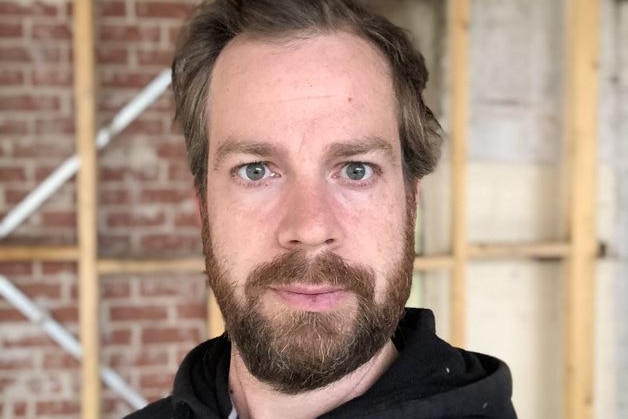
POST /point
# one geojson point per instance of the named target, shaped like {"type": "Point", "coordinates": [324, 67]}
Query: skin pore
{"type": "Point", "coordinates": [305, 160]}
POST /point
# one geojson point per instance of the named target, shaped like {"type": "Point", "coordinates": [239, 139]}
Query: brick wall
{"type": "Point", "coordinates": [146, 206]}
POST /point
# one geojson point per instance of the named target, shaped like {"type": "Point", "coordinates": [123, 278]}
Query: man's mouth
{"type": "Point", "coordinates": [307, 297]}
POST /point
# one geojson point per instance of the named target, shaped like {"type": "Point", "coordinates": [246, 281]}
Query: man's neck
{"type": "Point", "coordinates": [256, 400]}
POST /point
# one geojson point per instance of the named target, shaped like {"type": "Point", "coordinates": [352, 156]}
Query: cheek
{"type": "Point", "coordinates": [240, 234]}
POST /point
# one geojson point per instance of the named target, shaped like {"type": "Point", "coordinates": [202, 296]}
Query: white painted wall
{"type": "Point", "coordinates": [514, 307]}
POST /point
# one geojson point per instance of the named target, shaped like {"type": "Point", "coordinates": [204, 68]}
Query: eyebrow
{"type": "Point", "coordinates": [335, 150]}
{"type": "Point", "coordinates": [362, 146]}
{"type": "Point", "coordinates": [233, 146]}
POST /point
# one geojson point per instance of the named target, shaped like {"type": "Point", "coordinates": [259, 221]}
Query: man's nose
{"type": "Point", "coordinates": [309, 220]}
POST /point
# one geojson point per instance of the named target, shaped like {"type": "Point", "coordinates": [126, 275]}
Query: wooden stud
{"type": "Point", "coordinates": [215, 323]}
{"type": "Point", "coordinates": [537, 250]}
{"type": "Point", "coordinates": [85, 121]}
{"type": "Point", "coordinates": [581, 74]}
{"type": "Point", "coordinates": [458, 28]}
{"type": "Point", "coordinates": [40, 253]}
{"type": "Point", "coordinates": [546, 250]}
{"type": "Point", "coordinates": [113, 266]}
{"type": "Point", "coordinates": [433, 263]}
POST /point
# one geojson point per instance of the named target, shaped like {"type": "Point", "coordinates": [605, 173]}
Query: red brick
{"type": "Point", "coordinates": [57, 407]}
{"type": "Point", "coordinates": [146, 312]}
{"type": "Point", "coordinates": [110, 197]}
{"type": "Point", "coordinates": [165, 288]}
{"type": "Point", "coordinates": [172, 150]}
{"type": "Point", "coordinates": [14, 54]}
{"type": "Point", "coordinates": [5, 383]}
{"type": "Point", "coordinates": [156, 380]}
{"type": "Point", "coordinates": [129, 33]}
{"type": "Point", "coordinates": [16, 268]}
{"type": "Point", "coordinates": [37, 341]}
{"type": "Point", "coordinates": [169, 242]}
{"type": "Point", "coordinates": [145, 125]}
{"type": "Point", "coordinates": [57, 125]}
{"type": "Point", "coordinates": [165, 195]}
{"type": "Point", "coordinates": [42, 290]}
{"type": "Point", "coordinates": [116, 289]}
{"type": "Point", "coordinates": [170, 334]}
{"type": "Point", "coordinates": [45, 77]}
{"type": "Point", "coordinates": [17, 362]}
{"type": "Point", "coordinates": [55, 268]}
{"type": "Point", "coordinates": [13, 196]}
{"type": "Point", "coordinates": [59, 218]}
{"type": "Point", "coordinates": [9, 77]}
{"type": "Point", "coordinates": [178, 171]}
{"type": "Point", "coordinates": [125, 173]}
{"type": "Point", "coordinates": [27, 102]}
{"type": "Point", "coordinates": [126, 80]}
{"type": "Point", "coordinates": [13, 126]}
{"type": "Point", "coordinates": [173, 34]}
{"type": "Point", "coordinates": [17, 8]}
{"type": "Point", "coordinates": [112, 55]}
{"type": "Point", "coordinates": [42, 31]}
{"type": "Point", "coordinates": [44, 148]}
{"type": "Point", "coordinates": [185, 219]}
{"type": "Point", "coordinates": [144, 358]}
{"type": "Point", "coordinates": [10, 315]}
{"type": "Point", "coordinates": [65, 314]}
{"type": "Point", "coordinates": [117, 337]}
{"type": "Point", "coordinates": [111, 101]}
{"type": "Point", "coordinates": [19, 409]}
{"type": "Point", "coordinates": [162, 9]}
{"type": "Point", "coordinates": [112, 8]}
{"type": "Point", "coordinates": [192, 311]}
{"type": "Point", "coordinates": [60, 360]}
{"type": "Point", "coordinates": [11, 30]}
{"type": "Point", "coordinates": [154, 57]}
{"type": "Point", "coordinates": [42, 172]}
{"type": "Point", "coordinates": [12, 174]}
{"type": "Point", "coordinates": [114, 245]}
{"type": "Point", "coordinates": [125, 219]}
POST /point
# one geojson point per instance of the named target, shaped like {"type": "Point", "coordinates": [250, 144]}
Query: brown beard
{"type": "Point", "coordinates": [297, 351]}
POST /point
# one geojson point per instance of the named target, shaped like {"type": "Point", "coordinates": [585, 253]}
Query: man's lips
{"type": "Point", "coordinates": [305, 297]}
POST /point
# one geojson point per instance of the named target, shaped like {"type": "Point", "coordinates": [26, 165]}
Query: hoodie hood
{"type": "Point", "coordinates": [430, 379]}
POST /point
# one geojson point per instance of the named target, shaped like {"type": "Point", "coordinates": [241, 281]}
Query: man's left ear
{"type": "Point", "coordinates": [416, 189]}
{"type": "Point", "coordinates": [197, 210]}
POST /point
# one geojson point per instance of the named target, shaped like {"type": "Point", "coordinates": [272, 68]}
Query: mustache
{"type": "Point", "coordinates": [325, 269]}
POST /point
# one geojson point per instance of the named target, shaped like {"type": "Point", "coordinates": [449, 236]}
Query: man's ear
{"type": "Point", "coordinates": [197, 210]}
{"type": "Point", "coordinates": [416, 191]}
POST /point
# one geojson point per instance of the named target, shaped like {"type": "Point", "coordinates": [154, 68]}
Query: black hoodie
{"type": "Point", "coordinates": [429, 380]}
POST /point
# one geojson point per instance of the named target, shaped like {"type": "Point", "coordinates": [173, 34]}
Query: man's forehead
{"type": "Point", "coordinates": [268, 59]}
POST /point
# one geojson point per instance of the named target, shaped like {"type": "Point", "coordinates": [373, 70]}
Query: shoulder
{"type": "Point", "coordinates": [160, 409]}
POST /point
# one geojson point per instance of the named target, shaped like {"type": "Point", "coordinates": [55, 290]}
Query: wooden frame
{"type": "Point", "coordinates": [458, 27]}
{"type": "Point", "coordinates": [85, 121]}
{"type": "Point", "coordinates": [578, 251]}
{"type": "Point", "coordinates": [580, 132]}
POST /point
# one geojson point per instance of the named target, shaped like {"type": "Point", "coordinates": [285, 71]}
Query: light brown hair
{"type": "Point", "coordinates": [215, 23]}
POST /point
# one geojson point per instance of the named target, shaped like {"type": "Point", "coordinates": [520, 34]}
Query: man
{"type": "Point", "coordinates": [307, 138]}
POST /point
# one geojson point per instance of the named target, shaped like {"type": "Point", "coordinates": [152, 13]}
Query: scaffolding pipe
{"type": "Point", "coordinates": [70, 166]}
{"type": "Point", "coordinates": [65, 339]}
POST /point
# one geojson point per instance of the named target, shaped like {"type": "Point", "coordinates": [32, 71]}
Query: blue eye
{"type": "Point", "coordinates": [357, 171]}
{"type": "Point", "coordinates": [253, 171]}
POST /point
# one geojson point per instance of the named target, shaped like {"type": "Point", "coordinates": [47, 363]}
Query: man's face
{"type": "Point", "coordinates": [308, 226]}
